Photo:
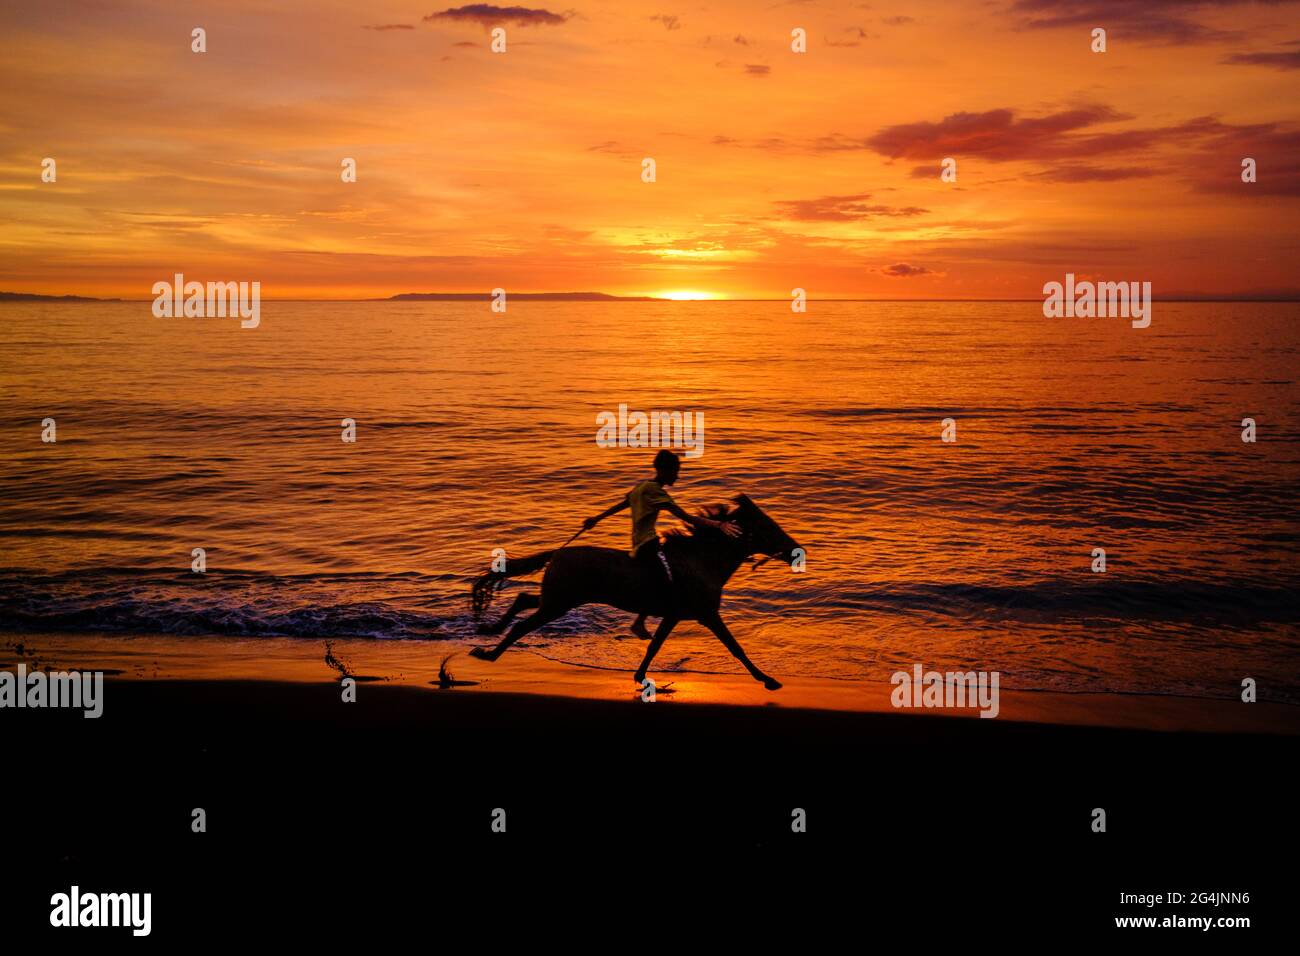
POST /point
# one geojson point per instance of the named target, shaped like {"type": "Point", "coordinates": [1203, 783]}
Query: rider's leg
{"type": "Point", "coordinates": [655, 575]}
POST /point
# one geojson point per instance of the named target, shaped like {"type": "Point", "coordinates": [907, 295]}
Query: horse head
{"type": "Point", "coordinates": [761, 534]}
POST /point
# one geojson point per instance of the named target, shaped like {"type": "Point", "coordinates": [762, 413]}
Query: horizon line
{"type": "Point", "coordinates": [71, 298]}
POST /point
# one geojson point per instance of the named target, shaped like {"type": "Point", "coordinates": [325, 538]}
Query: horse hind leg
{"type": "Point", "coordinates": [526, 601]}
{"type": "Point", "coordinates": [539, 618]}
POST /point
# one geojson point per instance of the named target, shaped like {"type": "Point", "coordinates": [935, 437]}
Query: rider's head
{"type": "Point", "coordinates": [667, 466]}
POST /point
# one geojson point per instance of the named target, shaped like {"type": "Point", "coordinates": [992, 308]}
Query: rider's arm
{"type": "Point", "coordinates": [611, 510]}
{"type": "Point", "coordinates": [726, 526]}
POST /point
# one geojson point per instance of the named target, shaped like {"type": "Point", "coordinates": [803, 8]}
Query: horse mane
{"type": "Point", "coordinates": [718, 511]}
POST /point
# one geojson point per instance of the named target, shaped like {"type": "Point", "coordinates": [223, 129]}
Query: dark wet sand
{"type": "Point", "coordinates": [331, 812]}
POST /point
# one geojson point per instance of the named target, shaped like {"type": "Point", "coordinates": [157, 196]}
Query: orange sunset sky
{"type": "Point", "coordinates": [775, 169]}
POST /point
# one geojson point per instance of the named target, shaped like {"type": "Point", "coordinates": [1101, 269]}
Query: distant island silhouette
{"type": "Point", "coordinates": [33, 297]}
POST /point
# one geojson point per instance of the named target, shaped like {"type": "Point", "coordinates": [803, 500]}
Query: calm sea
{"type": "Point", "coordinates": [477, 431]}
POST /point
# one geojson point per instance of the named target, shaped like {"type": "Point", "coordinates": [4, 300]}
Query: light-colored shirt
{"type": "Point", "coordinates": [647, 499]}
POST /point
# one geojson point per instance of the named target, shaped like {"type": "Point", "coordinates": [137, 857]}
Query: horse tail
{"type": "Point", "coordinates": [487, 585]}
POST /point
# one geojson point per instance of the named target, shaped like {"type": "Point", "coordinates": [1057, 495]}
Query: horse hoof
{"type": "Point", "coordinates": [480, 652]}
{"type": "Point", "coordinates": [771, 683]}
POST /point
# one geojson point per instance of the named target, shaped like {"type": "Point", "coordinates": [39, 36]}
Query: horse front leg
{"type": "Point", "coordinates": [665, 628]}
{"type": "Point", "coordinates": [719, 629]}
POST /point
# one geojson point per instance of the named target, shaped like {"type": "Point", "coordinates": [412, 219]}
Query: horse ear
{"type": "Point", "coordinates": [744, 501]}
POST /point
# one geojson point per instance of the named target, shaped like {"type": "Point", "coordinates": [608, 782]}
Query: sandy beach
{"type": "Point", "coordinates": [258, 665]}
{"type": "Point", "coordinates": [379, 796]}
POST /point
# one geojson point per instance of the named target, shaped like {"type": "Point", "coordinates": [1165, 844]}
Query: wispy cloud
{"type": "Point", "coordinates": [856, 36]}
{"type": "Point", "coordinates": [1073, 173]}
{"type": "Point", "coordinates": [842, 209]}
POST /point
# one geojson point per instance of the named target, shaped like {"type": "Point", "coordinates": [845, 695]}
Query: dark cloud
{"type": "Point", "coordinates": [1147, 21]}
{"type": "Point", "coordinates": [488, 15]}
{"type": "Point", "coordinates": [841, 209]}
{"type": "Point", "coordinates": [757, 69]}
{"type": "Point", "coordinates": [388, 26]}
{"type": "Point", "coordinates": [897, 21]}
{"type": "Point", "coordinates": [1275, 149]}
{"type": "Point", "coordinates": [1062, 144]}
{"type": "Point", "coordinates": [1000, 136]}
{"type": "Point", "coordinates": [669, 21]}
{"type": "Point", "coordinates": [1065, 147]}
{"type": "Point", "coordinates": [903, 270]}
{"type": "Point", "coordinates": [1287, 60]}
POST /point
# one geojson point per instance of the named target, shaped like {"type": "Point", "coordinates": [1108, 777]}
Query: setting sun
{"type": "Point", "coordinates": [685, 295]}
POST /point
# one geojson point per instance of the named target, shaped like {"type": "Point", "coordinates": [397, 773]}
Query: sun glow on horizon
{"type": "Point", "coordinates": [686, 295]}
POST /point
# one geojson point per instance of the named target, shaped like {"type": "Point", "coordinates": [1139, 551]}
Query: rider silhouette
{"type": "Point", "coordinates": [646, 499]}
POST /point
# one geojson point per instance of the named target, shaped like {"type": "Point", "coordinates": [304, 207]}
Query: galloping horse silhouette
{"type": "Point", "coordinates": [702, 562]}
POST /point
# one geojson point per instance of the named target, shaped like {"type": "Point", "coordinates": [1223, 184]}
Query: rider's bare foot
{"type": "Point", "coordinates": [771, 683]}
{"type": "Point", "coordinates": [638, 628]}
{"type": "Point", "coordinates": [638, 679]}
